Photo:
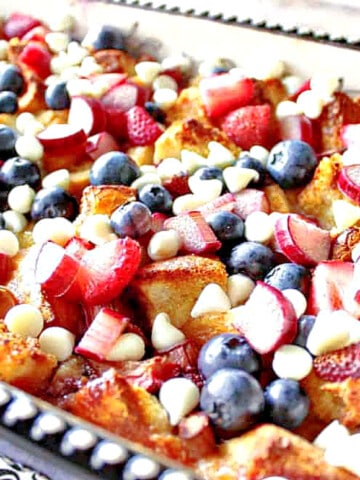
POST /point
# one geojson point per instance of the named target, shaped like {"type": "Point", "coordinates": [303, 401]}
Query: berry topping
{"type": "Point", "coordinates": [141, 127]}
{"type": "Point", "coordinates": [8, 139]}
{"type": "Point", "coordinates": [18, 24]}
{"type": "Point", "coordinates": [228, 351]}
{"type": "Point", "coordinates": [228, 227]}
{"type": "Point", "coordinates": [114, 168]}
{"type": "Point", "coordinates": [8, 102]}
{"type": "Point", "coordinates": [88, 114]}
{"type": "Point", "coordinates": [57, 97]}
{"type": "Point", "coordinates": [105, 37]}
{"type": "Point", "coordinates": [249, 162]}
{"type": "Point", "coordinates": [291, 163]}
{"type": "Point", "coordinates": [348, 182]}
{"type": "Point", "coordinates": [156, 197]}
{"type": "Point", "coordinates": [131, 220]}
{"type": "Point", "coordinates": [11, 79]}
{"type": "Point", "coordinates": [286, 404]}
{"type": "Point", "coordinates": [251, 258]}
{"type": "Point", "coordinates": [36, 57]}
{"type": "Point", "coordinates": [289, 275]}
{"type": "Point", "coordinates": [305, 324]}
{"type": "Point", "coordinates": [233, 399]}
{"type": "Point", "coordinates": [19, 171]}
{"type": "Point", "coordinates": [54, 202]}
{"type": "Point", "coordinates": [339, 365]}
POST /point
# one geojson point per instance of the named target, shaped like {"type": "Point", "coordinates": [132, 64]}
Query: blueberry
{"type": "Point", "coordinates": [209, 173]}
{"type": "Point", "coordinates": [8, 102]}
{"type": "Point", "coordinates": [291, 163]}
{"type": "Point", "coordinates": [19, 171]}
{"type": "Point", "coordinates": [227, 226]}
{"type": "Point", "coordinates": [54, 202]}
{"type": "Point", "coordinates": [286, 404]}
{"type": "Point", "coordinates": [156, 198]}
{"type": "Point", "coordinates": [114, 168]}
{"type": "Point", "coordinates": [233, 399]}
{"type": "Point", "coordinates": [252, 259]}
{"type": "Point", "coordinates": [106, 37]}
{"type": "Point", "coordinates": [305, 324]}
{"type": "Point", "coordinates": [57, 96]}
{"type": "Point", "coordinates": [227, 350]}
{"type": "Point", "coordinates": [132, 219]}
{"type": "Point", "coordinates": [11, 79]}
{"type": "Point", "coordinates": [155, 111]}
{"type": "Point", "coordinates": [289, 275]}
{"type": "Point", "coordinates": [8, 139]}
{"type": "Point", "coordinates": [247, 161]}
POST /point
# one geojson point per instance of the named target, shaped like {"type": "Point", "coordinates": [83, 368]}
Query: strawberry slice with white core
{"type": "Point", "coordinates": [77, 247]}
{"type": "Point", "coordinates": [332, 288]}
{"type": "Point", "coordinates": [100, 143]}
{"type": "Point", "coordinates": [87, 113]}
{"type": "Point", "coordinates": [18, 24]}
{"type": "Point", "coordinates": [123, 97]}
{"type": "Point", "coordinates": [339, 365]}
{"type": "Point", "coordinates": [55, 269]}
{"type": "Point", "coordinates": [301, 240]}
{"type": "Point", "coordinates": [350, 135]}
{"type": "Point", "coordinates": [61, 136]}
{"type": "Point", "coordinates": [348, 182]}
{"type": "Point", "coordinates": [225, 203]}
{"type": "Point", "coordinates": [267, 320]}
{"type": "Point", "coordinates": [104, 82]}
{"type": "Point", "coordinates": [296, 127]}
{"type": "Point", "coordinates": [251, 200]}
{"type": "Point", "coordinates": [107, 269]}
{"type": "Point", "coordinates": [102, 334]}
{"type": "Point", "coordinates": [223, 93]}
{"type": "Point", "coordinates": [196, 235]}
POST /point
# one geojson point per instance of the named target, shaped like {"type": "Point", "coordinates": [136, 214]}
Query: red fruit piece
{"type": "Point", "coordinates": [221, 94]}
{"type": "Point", "coordinates": [77, 247]}
{"type": "Point", "coordinates": [66, 314]}
{"type": "Point", "coordinates": [185, 356]}
{"type": "Point", "coordinates": [250, 200]}
{"type": "Point", "coordinates": [124, 96]}
{"type": "Point", "coordinates": [157, 221]}
{"type": "Point", "coordinates": [18, 24]}
{"type": "Point", "coordinates": [87, 113]}
{"type": "Point", "coordinates": [36, 34]}
{"type": "Point", "coordinates": [195, 233]}
{"type": "Point", "coordinates": [177, 185]}
{"type": "Point", "coordinates": [268, 319]}
{"type": "Point", "coordinates": [251, 125]}
{"type": "Point", "coordinates": [101, 143]}
{"type": "Point", "coordinates": [36, 57]}
{"type": "Point", "coordinates": [350, 135]}
{"type": "Point", "coordinates": [339, 365]}
{"type": "Point", "coordinates": [116, 123]}
{"type": "Point", "coordinates": [5, 267]}
{"type": "Point", "coordinates": [348, 182]}
{"type": "Point", "coordinates": [225, 202]}
{"type": "Point", "coordinates": [296, 127]}
{"type": "Point", "coordinates": [303, 87]}
{"type": "Point", "coordinates": [332, 288]}
{"type": "Point", "coordinates": [301, 241]}
{"type": "Point", "coordinates": [102, 334]}
{"type": "Point", "coordinates": [142, 129]}
{"type": "Point", "coordinates": [55, 269]}
{"type": "Point", "coordinates": [107, 269]}
{"type": "Point", "coordinates": [108, 80]}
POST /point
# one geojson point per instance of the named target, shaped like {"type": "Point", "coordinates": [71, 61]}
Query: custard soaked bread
{"type": "Point", "coordinates": [179, 252]}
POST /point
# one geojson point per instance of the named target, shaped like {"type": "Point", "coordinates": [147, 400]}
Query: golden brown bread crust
{"type": "Point", "coordinates": [270, 450]}
{"type": "Point", "coordinates": [203, 328]}
{"type": "Point", "coordinates": [173, 286]}
{"type": "Point", "coordinates": [187, 105]}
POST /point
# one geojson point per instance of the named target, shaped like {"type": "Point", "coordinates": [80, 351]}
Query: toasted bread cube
{"type": "Point", "coordinates": [142, 155]}
{"type": "Point", "coordinates": [203, 328]}
{"type": "Point", "coordinates": [277, 198]}
{"type": "Point", "coordinates": [173, 286]}
{"type": "Point", "coordinates": [269, 450]}
{"type": "Point", "coordinates": [187, 105]}
{"type": "Point", "coordinates": [190, 134]}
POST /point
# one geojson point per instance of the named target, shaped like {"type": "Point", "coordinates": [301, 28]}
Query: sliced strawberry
{"type": "Point", "coordinates": [77, 247]}
{"type": "Point", "coordinates": [339, 365]}
{"type": "Point", "coordinates": [36, 57]}
{"type": "Point", "coordinates": [296, 127]}
{"type": "Point", "coordinates": [36, 34]}
{"type": "Point", "coordinates": [5, 268]}
{"type": "Point", "coordinates": [251, 125]}
{"type": "Point", "coordinates": [195, 233]}
{"type": "Point", "coordinates": [268, 319]}
{"type": "Point", "coordinates": [87, 113]}
{"type": "Point", "coordinates": [142, 129]}
{"type": "Point", "coordinates": [301, 241]}
{"type": "Point", "coordinates": [250, 200]}
{"type": "Point", "coordinates": [332, 288]}
{"type": "Point", "coordinates": [67, 315]}
{"type": "Point", "coordinates": [303, 87]}
{"type": "Point", "coordinates": [102, 334]}
{"type": "Point", "coordinates": [350, 135]}
{"type": "Point", "coordinates": [55, 269]}
{"type": "Point", "coordinates": [177, 185]}
{"type": "Point", "coordinates": [125, 95]}
{"type": "Point", "coordinates": [157, 221]}
{"type": "Point", "coordinates": [221, 94]}
{"type": "Point", "coordinates": [18, 24]}
{"type": "Point", "coordinates": [225, 202]}
{"type": "Point", "coordinates": [348, 182]}
{"type": "Point", "coordinates": [100, 143]}
{"type": "Point", "coordinates": [7, 300]}
{"type": "Point", "coordinates": [116, 124]}
{"type": "Point", "coordinates": [107, 269]}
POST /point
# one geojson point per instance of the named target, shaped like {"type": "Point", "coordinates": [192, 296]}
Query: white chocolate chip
{"type": "Point", "coordinates": [325, 85]}
{"type": "Point", "coordinates": [79, 86]}
{"type": "Point", "coordinates": [260, 153]}
{"type": "Point", "coordinates": [97, 229]}
{"type": "Point", "coordinates": [29, 147]}
{"type": "Point", "coordinates": [310, 104]}
{"type": "Point", "coordinates": [20, 198]}
{"type": "Point", "coordinates": [165, 97]}
{"type": "Point", "coordinates": [170, 167]}
{"type": "Point", "coordinates": [25, 320]}
{"type": "Point", "coordinates": [191, 160]}
{"type": "Point", "coordinates": [345, 453]}
{"type": "Point", "coordinates": [335, 432]}
{"type": "Point", "coordinates": [9, 243]}
{"type": "Point", "coordinates": [209, 189]}
{"type": "Point", "coordinates": [146, 179]}
{"type": "Point", "coordinates": [22, 120]}
{"type": "Point", "coordinates": [164, 245]}
{"type": "Point", "coordinates": [57, 341]}
{"type": "Point", "coordinates": [179, 396]}
{"type": "Point", "coordinates": [129, 346]}
{"type": "Point", "coordinates": [211, 299]}
{"type": "Point", "coordinates": [236, 179]}
{"type": "Point", "coordinates": [59, 230]}
{"type": "Point", "coordinates": [259, 227]}
{"type": "Point", "coordinates": [219, 156]}
{"type": "Point", "coordinates": [163, 334]}
{"type": "Point", "coordinates": [61, 21]}
{"type": "Point", "coordinates": [345, 214]}
{"type": "Point", "coordinates": [239, 288]}
{"type": "Point", "coordinates": [327, 334]}
{"type": "Point", "coordinates": [69, 73]}
{"type": "Point", "coordinates": [57, 178]}
{"type": "Point", "coordinates": [286, 108]}
{"type": "Point", "coordinates": [177, 61]}
{"type": "Point", "coordinates": [60, 62]}
{"type": "Point", "coordinates": [351, 323]}
{"type": "Point", "coordinates": [147, 71]}
{"type": "Point", "coordinates": [187, 202]}
{"type": "Point", "coordinates": [165, 81]}
{"type": "Point", "coordinates": [57, 41]}
{"type": "Point", "coordinates": [89, 66]}
{"type": "Point", "coordinates": [76, 53]}
{"type": "Point", "coordinates": [14, 221]}
{"type": "Point", "coordinates": [297, 299]}
{"type": "Point", "coordinates": [292, 361]}
{"type": "Point", "coordinates": [292, 83]}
